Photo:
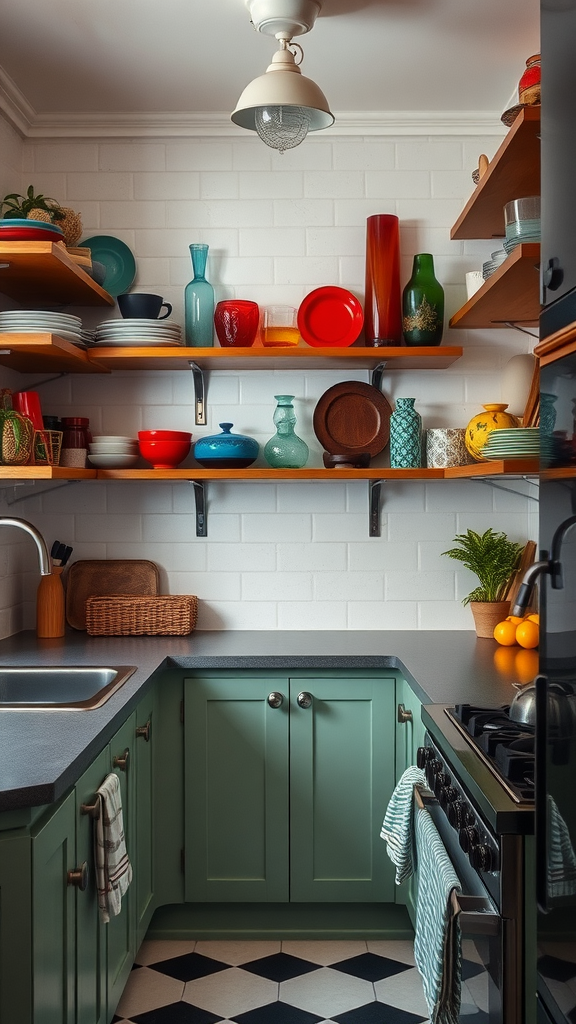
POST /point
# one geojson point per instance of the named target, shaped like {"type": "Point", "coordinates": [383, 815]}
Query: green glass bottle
{"type": "Point", "coordinates": [423, 304]}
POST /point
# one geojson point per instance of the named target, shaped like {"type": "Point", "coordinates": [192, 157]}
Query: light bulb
{"type": "Point", "coordinates": [282, 127]}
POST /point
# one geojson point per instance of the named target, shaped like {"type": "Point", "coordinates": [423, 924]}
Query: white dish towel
{"type": "Point", "coordinates": [113, 868]}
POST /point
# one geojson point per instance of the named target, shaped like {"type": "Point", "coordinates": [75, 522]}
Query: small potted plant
{"type": "Point", "coordinates": [493, 559]}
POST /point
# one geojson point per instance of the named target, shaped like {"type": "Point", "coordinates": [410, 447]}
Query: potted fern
{"type": "Point", "coordinates": [493, 559]}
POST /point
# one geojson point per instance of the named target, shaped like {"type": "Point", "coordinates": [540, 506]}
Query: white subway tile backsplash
{"type": "Point", "coordinates": [285, 554]}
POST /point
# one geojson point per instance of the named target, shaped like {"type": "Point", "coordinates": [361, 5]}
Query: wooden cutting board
{"type": "Point", "coordinates": [101, 577]}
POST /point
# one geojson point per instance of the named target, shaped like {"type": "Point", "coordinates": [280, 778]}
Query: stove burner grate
{"type": "Point", "coordinates": [506, 746]}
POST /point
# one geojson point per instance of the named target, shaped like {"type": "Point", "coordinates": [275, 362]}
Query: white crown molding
{"type": "Point", "coordinates": [194, 124]}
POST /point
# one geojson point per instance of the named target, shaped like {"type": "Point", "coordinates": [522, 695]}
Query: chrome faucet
{"type": "Point", "coordinates": [37, 537]}
{"type": "Point", "coordinates": [552, 566]}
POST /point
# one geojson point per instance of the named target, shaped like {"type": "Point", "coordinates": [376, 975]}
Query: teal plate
{"type": "Point", "coordinates": [118, 260]}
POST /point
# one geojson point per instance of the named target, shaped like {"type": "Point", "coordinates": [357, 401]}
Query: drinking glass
{"type": "Point", "coordinates": [280, 326]}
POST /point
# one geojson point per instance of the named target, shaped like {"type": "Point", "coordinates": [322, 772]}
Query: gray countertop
{"type": "Point", "coordinates": [42, 753]}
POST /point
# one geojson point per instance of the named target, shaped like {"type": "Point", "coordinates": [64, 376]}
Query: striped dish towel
{"type": "Point", "coordinates": [398, 826]}
{"type": "Point", "coordinates": [437, 945]}
{"type": "Point", "coordinates": [561, 866]}
{"type": "Point", "coordinates": [113, 868]}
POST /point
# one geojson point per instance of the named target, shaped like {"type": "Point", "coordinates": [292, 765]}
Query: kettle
{"type": "Point", "coordinates": [561, 706]}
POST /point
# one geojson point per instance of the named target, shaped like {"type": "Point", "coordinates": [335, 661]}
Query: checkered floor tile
{"type": "Point", "coordinates": [289, 982]}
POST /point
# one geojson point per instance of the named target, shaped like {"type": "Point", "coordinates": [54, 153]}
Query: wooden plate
{"type": "Point", "coordinates": [352, 417]}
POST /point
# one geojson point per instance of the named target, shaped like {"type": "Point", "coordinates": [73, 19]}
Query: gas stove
{"type": "Point", "coordinates": [507, 747]}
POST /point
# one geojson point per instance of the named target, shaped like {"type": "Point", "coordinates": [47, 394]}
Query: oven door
{"type": "Point", "coordinates": [483, 932]}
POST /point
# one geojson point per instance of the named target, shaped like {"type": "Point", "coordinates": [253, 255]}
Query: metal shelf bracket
{"type": "Point", "coordinates": [374, 488]}
{"type": "Point", "coordinates": [34, 493]}
{"type": "Point", "coordinates": [494, 482]}
{"type": "Point", "coordinates": [199, 401]}
{"type": "Point", "coordinates": [376, 376]}
{"type": "Point", "coordinates": [200, 499]}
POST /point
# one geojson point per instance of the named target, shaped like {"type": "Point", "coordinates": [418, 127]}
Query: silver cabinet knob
{"type": "Point", "coordinates": [275, 699]}
{"type": "Point", "coordinates": [304, 699]}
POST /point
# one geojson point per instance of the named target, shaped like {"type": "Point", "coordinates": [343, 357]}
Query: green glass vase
{"type": "Point", "coordinates": [423, 304]}
{"type": "Point", "coordinates": [285, 450]}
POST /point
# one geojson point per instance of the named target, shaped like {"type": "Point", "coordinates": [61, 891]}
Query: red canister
{"type": "Point", "coordinates": [529, 84]}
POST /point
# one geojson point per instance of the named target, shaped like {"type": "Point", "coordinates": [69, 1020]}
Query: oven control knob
{"type": "Point", "coordinates": [423, 755]}
{"type": "Point", "coordinates": [447, 796]}
{"type": "Point", "coordinates": [432, 768]}
{"type": "Point", "coordinates": [482, 857]}
{"type": "Point", "coordinates": [441, 781]}
{"type": "Point", "coordinates": [469, 838]}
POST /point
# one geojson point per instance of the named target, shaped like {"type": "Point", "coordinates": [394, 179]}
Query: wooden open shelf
{"type": "Point", "coordinates": [502, 467]}
{"type": "Point", "coordinates": [45, 473]}
{"type": "Point", "coordinates": [510, 295]}
{"type": "Point", "coordinates": [177, 358]}
{"type": "Point", "coordinates": [45, 271]}
{"type": "Point", "coordinates": [513, 172]}
{"type": "Point", "coordinates": [41, 353]}
{"type": "Point", "coordinates": [555, 346]}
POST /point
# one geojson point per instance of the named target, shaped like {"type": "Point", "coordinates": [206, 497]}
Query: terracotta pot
{"type": "Point", "coordinates": [488, 614]}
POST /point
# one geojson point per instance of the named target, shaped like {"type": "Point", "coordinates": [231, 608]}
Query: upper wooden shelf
{"type": "Point", "coordinates": [513, 172]}
{"type": "Point", "coordinates": [45, 271]}
{"type": "Point", "coordinates": [510, 295]}
{"type": "Point", "coordinates": [396, 357]}
{"type": "Point", "coordinates": [501, 467]}
{"type": "Point", "coordinates": [42, 353]}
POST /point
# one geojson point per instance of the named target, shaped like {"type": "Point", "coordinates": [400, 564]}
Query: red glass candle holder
{"type": "Point", "coordinates": [236, 322]}
{"type": "Point", "coordinates": [383, 300]}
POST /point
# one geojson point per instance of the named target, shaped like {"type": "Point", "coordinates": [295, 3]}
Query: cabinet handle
{"type": "Point", "coordinates": [122, 762]}
{"type": "Point", "coordinates": [275, 699]}
{"type": "Point", "coordinates": [93, 810]}
{"type": "Point", "coordinates": [404, 715]}
{"type": "Point", "coordinates": [78, 877]}
{"type": "Point", "coordinates": [144, 731]}
{"type": "Point", "coordinates": [304, 699]}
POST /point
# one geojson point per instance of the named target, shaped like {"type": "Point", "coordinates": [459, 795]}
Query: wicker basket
{"type": "Point", "coordinates": [127, 615]}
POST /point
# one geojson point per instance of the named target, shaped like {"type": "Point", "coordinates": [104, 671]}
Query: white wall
{"type": "Point", "coordinates": [292, 556]}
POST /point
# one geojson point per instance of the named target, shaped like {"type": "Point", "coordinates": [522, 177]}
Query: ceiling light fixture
{"type": "Point", "coordinates": [282, 106]}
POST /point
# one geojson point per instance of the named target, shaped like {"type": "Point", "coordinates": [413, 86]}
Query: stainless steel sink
{"type": "Point", "coordinates": [57, 687]}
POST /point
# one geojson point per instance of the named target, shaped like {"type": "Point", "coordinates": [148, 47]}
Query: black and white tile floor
{"type": "Point", "coordinates": [288, 982]}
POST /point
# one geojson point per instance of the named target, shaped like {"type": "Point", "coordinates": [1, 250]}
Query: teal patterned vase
{"type": "Point", "coordinates": [285, 450]}
{"type": "Point", "coordinates": [405, 435]}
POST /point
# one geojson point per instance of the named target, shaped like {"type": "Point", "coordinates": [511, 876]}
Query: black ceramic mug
{"type": "Point", "coordinates": [142, 306]}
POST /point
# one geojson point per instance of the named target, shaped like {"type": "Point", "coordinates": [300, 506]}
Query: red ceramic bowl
{"type": "Point", "coordinates": [164, 449]}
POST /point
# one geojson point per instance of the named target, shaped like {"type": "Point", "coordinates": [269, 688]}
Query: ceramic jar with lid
{"type": "Point", "coordinates": [226, 450]}
{"type": "Point", "coordinates": [529, 84]}
{"type": "Point", "coordinates": [480, 427]}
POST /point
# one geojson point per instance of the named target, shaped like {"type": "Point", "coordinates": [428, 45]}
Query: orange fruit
{"type": "Point", "coordinates": [516, 619]}
{"type": "Point", "coordinates": [526, 664]}
{"type": "Point", "coordinates": [527, 634]}
{"type": "Point", "coordinates": [534, 618]}
{"type": "Point", "coordinates": [505, 633]}
{"type": "Point", "coordinates": [505, 662]}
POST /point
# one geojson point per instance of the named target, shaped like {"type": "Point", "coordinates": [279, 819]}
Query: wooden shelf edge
{"type": "Point", "coordinates": [473, 308]}
{"type": "Point", "coordinates": [555, 346]}
{"type": "Point", "coordinates": [504, 467]}
{"type": "Point", "coordinates": [45, 473]}
{"type": "Point", "coordinates": [270, 474]}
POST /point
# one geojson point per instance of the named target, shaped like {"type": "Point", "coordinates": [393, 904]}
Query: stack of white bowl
{"type": "Point", "coordinates": [107, 451]}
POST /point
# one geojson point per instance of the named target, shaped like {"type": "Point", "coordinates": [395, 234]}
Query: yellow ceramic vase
{"type": "Point", "coordinates": [481, 426]}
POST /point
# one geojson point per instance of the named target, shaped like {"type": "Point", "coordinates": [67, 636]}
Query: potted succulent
{"type": "Point", "coordinates": [493, 558]}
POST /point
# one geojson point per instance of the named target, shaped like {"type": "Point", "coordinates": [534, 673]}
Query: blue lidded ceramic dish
{"type": "Point", "coordinates": [226, 450]}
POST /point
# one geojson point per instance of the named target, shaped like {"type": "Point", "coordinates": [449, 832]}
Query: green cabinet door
{"type": "Point", "coordinates": [53, 917]}
{"type": "Point", "coordinates": [121, 933]}
{"type": "Point", "coordinates": [91, 998]}
{"type": "Point", "coordinates": [341, 778]}
{"type": "Point", "coordinates": [409, 731]}
{"type": "Point", "coordinates": [142, 852]}
{"type": "Point", "coordinates": [236, 790]}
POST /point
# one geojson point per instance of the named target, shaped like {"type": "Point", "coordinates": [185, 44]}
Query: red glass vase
{"type": "Point", "coordinates": [383, 301]}
{"type": "Point", "coordinates": [236, 322]}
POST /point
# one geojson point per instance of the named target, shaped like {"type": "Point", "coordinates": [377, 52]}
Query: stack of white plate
{"type": "Point", "coordinates": [496, 259]}
{"type": "Point", "coordinates": [138, 333]}
{"type": "Point", "coordinates": [513, 443]}
{"type": "Point", "coordinates": [110, 451]}
{"type": "Point", "coordinates": [38, 321]}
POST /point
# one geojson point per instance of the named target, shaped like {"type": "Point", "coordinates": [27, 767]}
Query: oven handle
{"type": "Point", "coordinates": [476, 915]}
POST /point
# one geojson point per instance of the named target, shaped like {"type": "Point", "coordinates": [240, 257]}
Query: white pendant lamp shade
{"type": "Point", "coordinates": [283, 86]}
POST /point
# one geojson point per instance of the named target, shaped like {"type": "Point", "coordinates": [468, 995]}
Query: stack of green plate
{"type": "Point", "coordinates": [513, 443]}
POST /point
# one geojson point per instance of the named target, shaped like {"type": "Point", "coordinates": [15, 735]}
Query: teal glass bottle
{"type": "Point", "coordinates": [405, 435]}
{"type": "Point", "coordinates": [285, 450]}
{"type": "Point", "coordinates": [199, 302]}
{"type": "Point", "coordinates": [423, 304]}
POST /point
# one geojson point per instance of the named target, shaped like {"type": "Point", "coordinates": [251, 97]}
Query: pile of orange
{"type": "Point", "coordinates": [515, 630]}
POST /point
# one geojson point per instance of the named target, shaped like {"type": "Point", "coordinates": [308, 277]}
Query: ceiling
{"type": "Point", "coordinates": [113, 57]}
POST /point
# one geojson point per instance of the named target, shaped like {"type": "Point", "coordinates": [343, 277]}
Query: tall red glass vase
{"type": "Point", "coordinates": [383, 302]}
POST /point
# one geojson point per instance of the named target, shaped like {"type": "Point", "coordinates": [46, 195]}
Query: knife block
{"type": "Point", "coordinates": [50, 617]}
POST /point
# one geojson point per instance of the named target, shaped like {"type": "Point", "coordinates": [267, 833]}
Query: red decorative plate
{"type": "Point", "coordinates": [330, 317]}
{"type": "Point", "coordinates": [29, 235]}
